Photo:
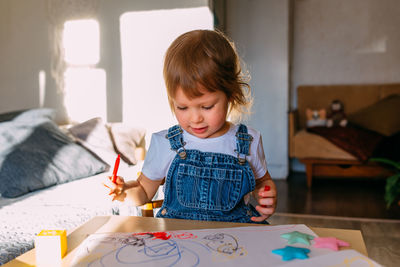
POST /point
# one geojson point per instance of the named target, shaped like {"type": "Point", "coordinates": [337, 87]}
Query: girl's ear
{"type": "Point", "coordinates": [231, 114]}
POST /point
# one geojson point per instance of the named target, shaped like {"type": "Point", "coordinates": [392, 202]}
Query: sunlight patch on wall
{"type": "Point", "coordinates": [81, 42]}
{"type": "Point", "coordinates": [42, 87]}
{"type": "Point", "coordinates": [145, 36]}
{"type": "Point", "coordinates": [372, 46]}
{"type": "Point", "coordinates": [85, 85]}
{"type": "Point", "coordinates": [85, 94]}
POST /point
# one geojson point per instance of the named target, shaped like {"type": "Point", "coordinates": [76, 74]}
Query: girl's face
{"type": "Point", "coordinates": [203, 116]}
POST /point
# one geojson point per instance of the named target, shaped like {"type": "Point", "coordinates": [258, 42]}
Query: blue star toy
{"type": "Point", "coordinates": [289, 253]}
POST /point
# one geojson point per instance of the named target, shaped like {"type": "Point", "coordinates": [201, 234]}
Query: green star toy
{"type": "Point", "coordinates": [297, 237]}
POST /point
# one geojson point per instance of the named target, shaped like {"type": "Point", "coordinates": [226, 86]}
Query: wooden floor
{"type": "Point", "coordinates": [363, 197]}
{"type": "Point", "coordinates": [381, 236]}
{"type": "Point", "coordinates": [346, 204]}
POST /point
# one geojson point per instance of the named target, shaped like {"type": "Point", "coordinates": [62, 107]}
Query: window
{"type": "Point", "coordinates": [85, 85]}
{"type": "Point", "coordinates": [81, 42]}
{"type": "Point", "coordinates": [145, 36]}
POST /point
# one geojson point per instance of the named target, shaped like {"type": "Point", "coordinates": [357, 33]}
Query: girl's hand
{"type": "Point", "coordinates": [117, 189]}
{"type": "Point", "coordinates": [266, 200]}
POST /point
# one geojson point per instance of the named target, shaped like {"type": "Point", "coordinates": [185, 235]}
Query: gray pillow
{"type": "Point", "coordinates": [34, 114]}
{"type": "Point", "coordinates": [107, 140]}
{"type": "Point", "coordinates": [10, 115]}
{"type": "Point", "coordinates": [126, 139]}
{"type": "Point", "coordinates": [35, 154]}
{"type": "Point", "coordinates": [94, 136]}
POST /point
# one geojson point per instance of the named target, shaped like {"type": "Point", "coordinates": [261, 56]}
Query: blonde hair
{"type": "Point", "coordinates": [207, 59]}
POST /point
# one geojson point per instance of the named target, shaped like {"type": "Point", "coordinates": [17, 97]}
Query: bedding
{"type": "Point", "coordinates": [358, 142]}
{"type": "Point", "coordinates": [49, 180]}
{"type": "Point", "coordinates": [35, 154]}
{"type": "Point", "coordinates": [362, 143]}
{"type": "Point", "coordinates": [11, 115]}
{"type": "Point", "coordinates": [125, 137]}
{"type": "Point", "coordinates": [106, 140]}
{"type": "Point", "coordinates": [64, 206]}
{"type": "Point", "coordinates": [373, 107]}
{"type": "Point", "coordinates": [93, 135]}
{"type": "Point", "coordinates": [373, 131]}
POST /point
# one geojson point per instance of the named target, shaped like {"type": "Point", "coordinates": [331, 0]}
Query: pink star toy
{"type": "Point", "coordinates": [330, 242]}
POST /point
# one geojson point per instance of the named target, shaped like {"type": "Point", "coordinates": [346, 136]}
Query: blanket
{"type": "Point", "coordinates": [359, 142]}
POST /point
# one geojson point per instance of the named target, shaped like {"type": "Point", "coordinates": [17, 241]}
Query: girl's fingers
{"type": "Point", "coordinates": [267, 211]}
{"type": "Point", "coordinates": [108, 182]}
{"type": "Point", "coordinates": [106, 185]}
{"type": "Point", "coordinates": [263, 193]}
{"type": "Point", "coordinates": [266, 201]}
{"type": "Point", "coordinates": [119, 197]}
{"type": "Point", "coordinates": [259, 219]}
{"type": "Point", "coordinates": [116, 189]}
{"type": "Point", "coordinates": [119, 180]}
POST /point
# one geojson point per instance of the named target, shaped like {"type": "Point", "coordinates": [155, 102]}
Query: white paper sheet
{"type": "Point", "coordinates": [241, 246]}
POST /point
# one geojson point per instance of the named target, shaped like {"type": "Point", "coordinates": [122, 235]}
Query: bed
{"type": "Point", "coordinates": [372, 131]}
{"type": "Point", "coordinates": [51, 176]}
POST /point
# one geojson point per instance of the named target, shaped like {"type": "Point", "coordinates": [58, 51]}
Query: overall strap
{"type": "Point", "coordinates": [243, 141]}
{"type": "Point", "coordinates": [175, 138]}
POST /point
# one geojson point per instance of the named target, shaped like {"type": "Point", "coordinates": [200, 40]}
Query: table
{"type": "Point", "coordinates": [106, 224]}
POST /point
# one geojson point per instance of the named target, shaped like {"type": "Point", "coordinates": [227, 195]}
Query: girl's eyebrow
{"type": "Point", "coordinates": [176, 103]}
{"type": "Point", "coordinates": [211, 100]}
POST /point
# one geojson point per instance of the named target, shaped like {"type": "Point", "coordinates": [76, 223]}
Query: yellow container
{"type": "Point", "coordinates": [51, 247]}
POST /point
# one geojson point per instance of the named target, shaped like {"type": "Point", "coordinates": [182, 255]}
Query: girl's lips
{"type": "Point", "coordinates": [199, 130]}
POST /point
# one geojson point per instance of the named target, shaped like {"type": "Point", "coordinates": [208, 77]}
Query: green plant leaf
{"type": "Point", "coordinates": [392, 189]}
{"type": "Point", "coordinates": [389, 162]}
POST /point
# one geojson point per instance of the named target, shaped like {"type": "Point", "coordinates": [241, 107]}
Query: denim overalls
{"type": "Point", "coordinates": [206, 185]}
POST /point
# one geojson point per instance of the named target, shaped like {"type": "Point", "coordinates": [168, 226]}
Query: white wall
{"type": "Point", "coordinates": [25, 34]}
{"type": "Point", "coordinates": [334, 42]}
{"type": "Point", "coordinates": [24, 52]}
{"type": "Point", "coordinates": [260, 29]}
{"type": "Point", "coordinates": [109, 16]}
{"type": "Point", "coordinates": [345, 42]}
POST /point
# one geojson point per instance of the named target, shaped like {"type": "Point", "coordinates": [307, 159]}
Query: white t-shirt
{"type": "Point", "coordinates": [160, 155]}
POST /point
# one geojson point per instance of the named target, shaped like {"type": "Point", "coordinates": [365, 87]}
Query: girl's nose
{"type": "Point", "coordinates": [196, 117]}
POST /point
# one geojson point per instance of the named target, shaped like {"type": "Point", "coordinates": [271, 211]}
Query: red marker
{"type": "Point", "coordinates": [114, 177]}
{"type": "Point", "coordinates": [266, 188]}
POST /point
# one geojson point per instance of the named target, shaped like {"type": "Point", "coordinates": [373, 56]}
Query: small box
{"type": "Point", "coordinates": [51, 247]}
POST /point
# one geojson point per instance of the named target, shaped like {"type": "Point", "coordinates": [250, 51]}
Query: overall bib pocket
{"type": "Point", "coordinates": [214, 189]}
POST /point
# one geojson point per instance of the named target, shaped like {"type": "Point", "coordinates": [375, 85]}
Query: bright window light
{"type": "Point", "coordinates": [145, 36]}
{"type": "Point", "coordinates": [85, 85]}
{"type": "Point", "coordinates": [42, 87]}
{"type": "Point", "coordinates": [81, 42]}
{"type": "Point", "coordinates": [85, 93]}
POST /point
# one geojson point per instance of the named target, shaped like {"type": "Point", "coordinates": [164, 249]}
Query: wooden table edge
{"type": "Point", "coordinates": [104, 223]}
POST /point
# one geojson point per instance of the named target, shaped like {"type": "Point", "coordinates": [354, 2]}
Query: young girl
{"type": "Point", "coordinates": [209, 164]}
